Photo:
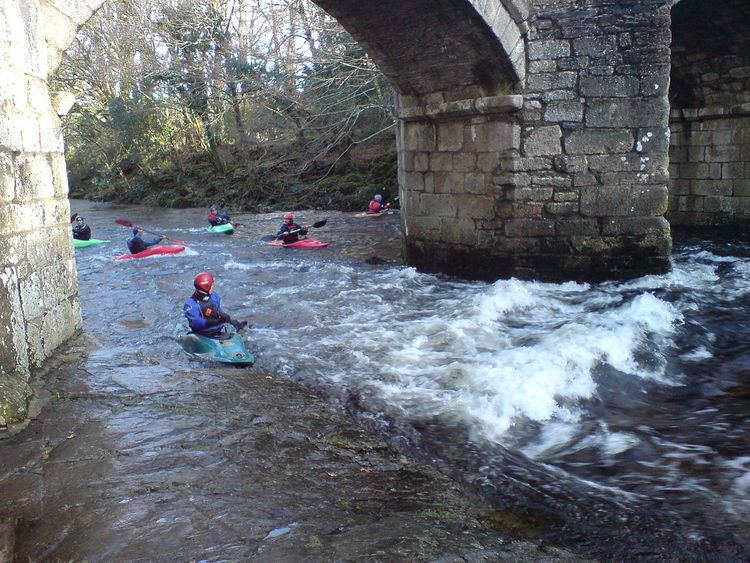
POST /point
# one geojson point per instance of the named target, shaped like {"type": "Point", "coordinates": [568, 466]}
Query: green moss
{"type": "Point", "coordinates": [177, 409]}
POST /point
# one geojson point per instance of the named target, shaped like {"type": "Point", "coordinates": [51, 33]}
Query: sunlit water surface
{"type": "Point", "coordinates": [634, 394]}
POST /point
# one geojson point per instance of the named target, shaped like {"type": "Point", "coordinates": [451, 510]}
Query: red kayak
{"type": "Point", "coordinates": [303, 243]}
{"type": "Point", "coordinates": [153, 250]}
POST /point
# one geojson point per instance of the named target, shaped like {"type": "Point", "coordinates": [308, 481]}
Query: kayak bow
{"type": "Point", "coordinates": [229, 348]}
{"type": "Point", "coordinates": [226, 228]}
{"type": "Point", "coordinates": [303, 243]}
{"type": "Point", "coordinates": [152, 251]}
{"type": "Point", "coordinates": [77, 243]}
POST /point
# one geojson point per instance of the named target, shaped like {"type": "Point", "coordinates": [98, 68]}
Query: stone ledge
{"type": "Point", "coordinates": [711, 112]}
{"type": "Point", "coordinates": [463, 108]}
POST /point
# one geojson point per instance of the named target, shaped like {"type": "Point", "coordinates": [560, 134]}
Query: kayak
{"type": "Point", "coordinates": [228, 348]}
{"type": "Point", "coordinates": [302, 243]}
{"type": "Point", "coordinates": [227, 228]}
{"type": "Point", "coordinates": [378, 214]}
{"type": "Point", "coordinates": [77, 243]}
{"type": "Point", "coordinates": [154, 250]}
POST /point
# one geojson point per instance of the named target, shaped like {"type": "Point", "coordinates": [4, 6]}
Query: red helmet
{"type": "Point", "coordinates": [204, 281]}
{"type": "Point", "coordinates": [288, 216]}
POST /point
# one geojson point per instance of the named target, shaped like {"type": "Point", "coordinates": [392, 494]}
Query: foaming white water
{"type": "Point", "coordinates": [489, 371]}
{"type": "Point", "coordinates": [493, 357]}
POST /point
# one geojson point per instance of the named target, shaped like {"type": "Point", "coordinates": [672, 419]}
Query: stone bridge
{"type": "Point", "coordinates": [534, 140]}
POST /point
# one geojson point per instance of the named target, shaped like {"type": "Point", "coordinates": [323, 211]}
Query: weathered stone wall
{"type": "Point", "coordinates": [39, 307]}
{"type": "Point", "coordinates": [556, 168]}
{"type": "Point", "coordinates": [586, 194]}
{"type": "Point", "coordinates": [710, 120]}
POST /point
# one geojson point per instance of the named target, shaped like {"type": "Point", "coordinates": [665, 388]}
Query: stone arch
{"type": "Point", "coordinates": [452, 61]}
{"type": "Point", "coordinates": [414, 42]}
{"type": "Point", "coordinates": [710, 113]}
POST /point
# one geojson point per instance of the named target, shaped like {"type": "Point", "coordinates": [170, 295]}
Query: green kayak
{"type": "Point", "coordinates": [229, 348]}
{"type": "Point", "coordinates": [84, 243]}
{"type": "Point", "coordinates": [226, 228]}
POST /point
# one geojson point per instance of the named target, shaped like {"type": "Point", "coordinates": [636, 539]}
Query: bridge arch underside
{"type": "Point", "coordinates": [710, 114]}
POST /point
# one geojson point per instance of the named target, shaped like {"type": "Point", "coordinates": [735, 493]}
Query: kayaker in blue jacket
{"type": "Point", "coordinates": [138, 244]}
{"type": "Point", "coordinates": [290, 231]}
{"type": "Point", "coordinates": [203, 309]}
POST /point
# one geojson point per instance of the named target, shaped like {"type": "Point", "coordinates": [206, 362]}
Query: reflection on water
{"type": "Point", "coordinates": [633, 394]}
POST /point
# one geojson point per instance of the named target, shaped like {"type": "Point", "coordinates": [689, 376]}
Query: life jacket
{"type": "Point", "coordinates": [287, 238]}
{"type": "Point", "coordinates": [207, 306]}
{"type": "Point", "coordinates": [375, 207]}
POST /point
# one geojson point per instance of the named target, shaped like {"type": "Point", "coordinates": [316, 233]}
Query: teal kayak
{"type": "Point", "coordinates": [229, 348]}
{"type": "Point", "coordinates": [226, 228]}
{"type": "Point", "coordinates": [84, 243]}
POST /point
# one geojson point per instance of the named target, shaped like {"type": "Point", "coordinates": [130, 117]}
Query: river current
{"type": "Point", "coordinates": [617, 413]}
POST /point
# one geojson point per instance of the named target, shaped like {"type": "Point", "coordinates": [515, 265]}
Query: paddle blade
{"type": "Point", "coordinates": [124, 222]}
{"type": "Point", "coordinates": [320, 223]}
{"type": "Point", "coordinates": [268, 238]}
{"type": "Point", "coordinates": [73, 217]}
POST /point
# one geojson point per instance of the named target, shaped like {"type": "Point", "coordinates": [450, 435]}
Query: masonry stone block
{"type": "Point", "coordinates": [577, 227]}
{"type": "Point", "coordinates": [450, 136]}
{"type": "Point", "coordinates": [551, 80]}
{"type": "Point", "coordinates": [492, 136]}
{"type": "Point", "coordinates": [420, 162]}
{"type": "Point", "coordinates": [564, 111]}
{"type": "Point", "coordinates": [611, 87]}
{"type": "Point", "coordinates": [440, 205]}
{"type": "Point", "coordinates": [598, 201]}
{"type": "Point", "coordinates": [529, 228]}
{"type": "Point", "coordinates": [419, 137]}
{"type": "Point", "coordinates": [414, 181]}
{"type": "Point", "coordinates": [598, 141]}
{"type": "Point", "coordinates": [712, 187]}
{"type": "Point", "coordinates": [562, 208]}
{"type": "Point", "coordinates": [488, 162]}
{"type": "Point", "coordinates": [546, 50]}
{"type": "Point", "coordinates": [525, 210]}
{"type": "Point", "coordinates": [541, 141]}
{"type": "Point", "coordinates": [648, 200]}
{"type": "Point", "coordinates": [530, 194]}
{"type": "Point", "coordinates": [35, 180]}
{"type": "Point", "coordinates": [595, 47]}
{"type": "Point", "coordinates": [619, 112]}
{"type": "Point", "coordinates": [473, 207]}
{"type": "Point", "coordinates": [7, 178]}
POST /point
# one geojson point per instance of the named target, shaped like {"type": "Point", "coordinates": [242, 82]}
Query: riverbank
{"type": "Point", "coordinates": [255, 179]}
{"type": "Point", "coordinates": [224, 464]}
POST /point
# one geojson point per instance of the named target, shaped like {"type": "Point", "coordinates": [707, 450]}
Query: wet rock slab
{"type": "Point", "coordinates": [222, 465]}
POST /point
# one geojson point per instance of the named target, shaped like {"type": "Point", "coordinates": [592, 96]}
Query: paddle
{"type": "Point", "coordinates": [73, 217]}
{"type": "Point", "coordinates": [126, 223]}
{"type": "Point", "coordinates": [316, 225]}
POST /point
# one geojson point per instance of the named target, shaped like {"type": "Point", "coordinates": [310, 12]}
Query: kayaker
{"type": "Point", "coordinates": [203, 309]}
{"type": "Point", "coordinates": [377, 205]}
{"type": "Point", "coordinates": [290, 231]}
{"type": "Point", "coordinates": [81, 230]}
{"type": "Point", "coordinates": [138, 244]}
{"type": "Point", "coordinates": [217, 216]}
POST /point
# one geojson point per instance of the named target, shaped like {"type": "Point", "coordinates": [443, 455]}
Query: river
{"type": "Point", "coordinates": [616, 413]}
